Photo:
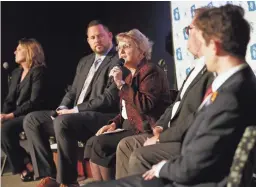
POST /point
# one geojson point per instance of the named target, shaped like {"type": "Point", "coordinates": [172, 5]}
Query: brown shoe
{"type": "Point", "coordinates": [48, 182]}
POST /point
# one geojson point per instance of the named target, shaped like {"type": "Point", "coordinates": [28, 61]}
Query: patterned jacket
{"type": "Point", "coordinates": [146, 96]}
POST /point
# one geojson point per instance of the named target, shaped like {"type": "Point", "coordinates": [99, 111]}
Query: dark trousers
{"type": "Point", "coordinates": [132, 181]}
{"type": "Point", "coordinates": [68, 129]}
{"type": "Point", "coordinates": [10, 142]}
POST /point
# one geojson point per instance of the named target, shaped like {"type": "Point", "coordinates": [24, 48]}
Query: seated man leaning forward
{"type": "Point", "coordinates": [144, 95]}
{"type": "Point", "coordinates": [210, 143]}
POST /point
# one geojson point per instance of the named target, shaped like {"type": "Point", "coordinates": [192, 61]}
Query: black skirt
{"type": "Point", "coordinates": [102, 149]}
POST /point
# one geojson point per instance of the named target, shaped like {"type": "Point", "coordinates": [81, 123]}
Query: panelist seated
{"type": "Point", "coordinates": [26, 94]}
{"type": "Point", "coordinates": [221, 119]}
{"type": "Point", "coordinates": [91, 101]}
{"type": "Point", "coordinates": [144, 96]}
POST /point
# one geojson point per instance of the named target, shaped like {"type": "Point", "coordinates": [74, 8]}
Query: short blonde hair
{"type": "Point", "coordinates": [143, 43]}
{"type": "Point", "coordinates": [35, 53]}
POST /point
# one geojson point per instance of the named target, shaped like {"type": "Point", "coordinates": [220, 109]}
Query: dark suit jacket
{"type": "Point", "coordinates": [146, 96]}
{"type": "Point", "coordinates": [210, 143]}
{"type": "Point", "coordinates": [30, 94]}
{"type": "Point", "coordinates": [191, 100]}
{"type": "Point", "coordinates": [100, 96]}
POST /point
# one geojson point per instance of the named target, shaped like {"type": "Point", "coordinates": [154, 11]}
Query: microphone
{"type": "Point", "coordinates": [6, 67]}
{"type": "Point", "coordinates": [163, 65]}
{"type": "Point", "coordinates": [120, 63]}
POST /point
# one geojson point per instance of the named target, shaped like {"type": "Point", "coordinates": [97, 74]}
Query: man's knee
{"type": "Point", "coordinates": [60, 123]}
{"type": "Point", "coordinates": [138, 156]}
{"type": "Point", "coordinates": [138, 161]}
{"type": "Point", "coordinates": [31, 121]}
{"type": "Point", "coordinates": [122, 145]}
{"type": "Point", "coordinates": [126, 145]}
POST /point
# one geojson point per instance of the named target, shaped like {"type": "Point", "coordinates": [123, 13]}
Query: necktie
{"type": "Point", "coordinates": [96, 63]}
{"type": "Point", "coordinates": [208, 92]}
{"type": "Point", "coordinates": [88, 80]}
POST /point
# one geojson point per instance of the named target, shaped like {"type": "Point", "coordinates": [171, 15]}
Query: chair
{"type": "Point", "coordinates": [241, 159]}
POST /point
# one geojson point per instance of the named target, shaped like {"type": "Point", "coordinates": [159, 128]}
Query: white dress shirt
{"type": "Point", "coordinates": [124, 113]}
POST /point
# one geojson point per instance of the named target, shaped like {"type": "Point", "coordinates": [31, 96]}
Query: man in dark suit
{"type": "Point", "coordinates": [86, 107]}
{"type": "Point", "coordinates": [132, 157]}
{"type": "Point", "coordinates": [226, 110]}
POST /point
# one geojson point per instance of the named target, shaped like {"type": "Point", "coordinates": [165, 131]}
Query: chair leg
{"type": "Point", "coordinates": [3, 165]}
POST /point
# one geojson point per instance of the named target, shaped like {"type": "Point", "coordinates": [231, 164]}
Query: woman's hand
{"type": "Point", "coordinates": [106, 128]}
{"type": "Point", "coordinates": [5, 117]}
{"type": "Point", "coordinates": [117, 74]}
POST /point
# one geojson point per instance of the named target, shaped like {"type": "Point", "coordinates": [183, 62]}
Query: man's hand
{"type": "Point", "coordinates": [66, 111]}
{"type": "Point", "coordinates": [106, 128]}
{"type": "Point", "coordinates": [157, 131]}
{"type": "Point", "coordinates": [154, 171]}
{"type": "Point", "coordinates": [151, 141]}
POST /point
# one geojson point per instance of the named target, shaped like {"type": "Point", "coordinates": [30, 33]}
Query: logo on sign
{"type": "Point", "coordinates": [192, 10]}
{"type": "Point", "coordinates": [210, 5]}
{"type": "Point", "coordinates": [176, 14]}
{"type": "Point", "coordinates": [187, 71]}
{"type": "Point", "coordinates": [253, 51]}
{"type": "Point", "coordinates": [185, 34]}
{"type": "Point", "coordinates": [251, 5]}
{"type": "Point", "coordinates": [178, 54]}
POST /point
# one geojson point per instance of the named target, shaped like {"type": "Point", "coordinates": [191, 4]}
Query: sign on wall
{"type": "Point", "coordinates": [182, 13]}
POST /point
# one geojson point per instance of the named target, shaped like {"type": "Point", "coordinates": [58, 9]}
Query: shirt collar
{"type": "Point", "coordinates": [221, 78]}
{"type": "Point", "coordinates": [102, 57]}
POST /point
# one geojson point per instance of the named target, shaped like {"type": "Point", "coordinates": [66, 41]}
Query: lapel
{"type": "Point", "coordinates": [104, 63]}
{"type": "Point", "coordinates": [233, 80]}
{"type": "Point", "coordinates": [15, 80]}
{"type": "Point", "coordinates": [196, 79]}
{"type": "Point", "coordinates": [26, 78]}
{"type": "Point", "coordinates": [84, 73]}
{"type": "Point", "coordinates": [178, 96]}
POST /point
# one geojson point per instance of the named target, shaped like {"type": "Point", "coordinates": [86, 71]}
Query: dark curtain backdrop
{"type": "Point", "coordinates": [60, 28]}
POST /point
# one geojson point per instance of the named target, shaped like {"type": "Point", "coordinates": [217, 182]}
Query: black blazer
{"type": "Point", "coordinates": [101, 96]}
{"type": "Point", "coordinates": [211, 141]}
{"type": "Point", "coordinates": [191, 100]}
{"type": "Point", "coordinates": [28, 95]}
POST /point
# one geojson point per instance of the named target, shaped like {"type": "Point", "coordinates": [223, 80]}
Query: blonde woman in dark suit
{"type": "Point", "coordinates": [25, 95]}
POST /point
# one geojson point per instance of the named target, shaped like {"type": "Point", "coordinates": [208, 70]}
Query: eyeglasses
{"type": "Point", "coordinates": [124, 47]}
{"type": "Point", "coordinates": [186, 29]}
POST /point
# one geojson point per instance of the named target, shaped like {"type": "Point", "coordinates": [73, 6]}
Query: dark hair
{"type": "Point", "coordinates": [96, 22]}
{"type": "Point", "coordinates": [226, 24]}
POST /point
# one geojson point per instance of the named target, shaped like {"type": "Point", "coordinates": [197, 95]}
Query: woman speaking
{"type": "Point", "coordinates": [144, 96]}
